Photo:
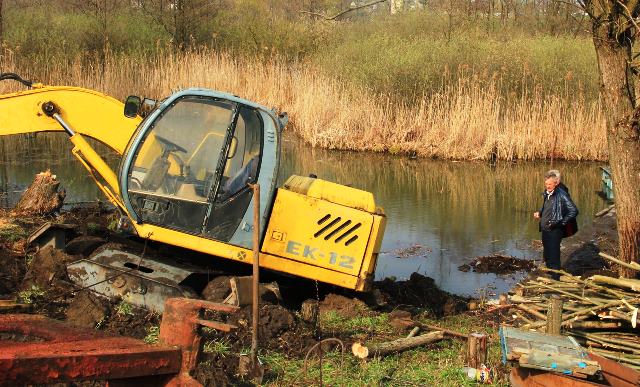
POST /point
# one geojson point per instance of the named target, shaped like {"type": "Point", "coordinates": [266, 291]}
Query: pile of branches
{"type": "Point", "coordinates": [600, 312]}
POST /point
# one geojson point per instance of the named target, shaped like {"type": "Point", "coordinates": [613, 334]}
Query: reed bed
{"type": "Point", "coordinates": [468, 119]}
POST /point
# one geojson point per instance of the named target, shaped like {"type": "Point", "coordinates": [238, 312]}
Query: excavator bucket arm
{"type": "Point", "coordinates": [81, 113]}
{"type": "Point", "coordinates": [88, 112]}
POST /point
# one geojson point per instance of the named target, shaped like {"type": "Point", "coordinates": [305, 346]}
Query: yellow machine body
{"type": "Point", "coordinates": [316, 229]}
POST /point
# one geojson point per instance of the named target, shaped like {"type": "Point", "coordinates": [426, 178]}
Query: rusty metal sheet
{"type": "Point", "coordinates": [38, 350]}
{"type": "Point", "coordinates": [524, 377]}
{"type": "Point", "coordinates": [616, 374]}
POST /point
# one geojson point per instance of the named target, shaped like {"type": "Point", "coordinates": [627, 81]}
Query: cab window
{"type": "Point", "coordinates": [173, 171]}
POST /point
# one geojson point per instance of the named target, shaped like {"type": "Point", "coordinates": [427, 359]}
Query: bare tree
{"type": "Point", "coordinates": [615, 29]}
{"type": "Point", "coordinates": [1, 21]}
{"type": "Point", "coordinates": [181, 18]}
{"type": "Point", "coordinates": [102, 12]}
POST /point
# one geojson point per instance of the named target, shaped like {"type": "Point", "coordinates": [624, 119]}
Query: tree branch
{"type": "Point", "coordinates": [630, 16]}
{"type": "Point", "coordinates": [343, 12]}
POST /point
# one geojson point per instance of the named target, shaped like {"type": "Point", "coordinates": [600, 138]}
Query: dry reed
{"type": "Point", "coordinates": [468, 119]}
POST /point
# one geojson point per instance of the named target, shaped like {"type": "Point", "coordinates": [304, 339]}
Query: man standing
{"type": "Point", "coordinates": [557, 211]}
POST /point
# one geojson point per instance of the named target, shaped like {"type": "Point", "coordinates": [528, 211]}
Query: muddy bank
{"type": "Point", "coordinates": [39, 277]}
{"type": "Point", "coordinates": [579, 253]}
{"type": "Point", "coordinates": [498, 264]}
{"type": "Point", "coordinates": [378, 316]}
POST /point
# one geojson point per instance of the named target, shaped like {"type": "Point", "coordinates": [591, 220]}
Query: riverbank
{"type": "Point", "coordinates": [39, 279]}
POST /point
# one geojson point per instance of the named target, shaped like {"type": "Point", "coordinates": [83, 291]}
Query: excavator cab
{"type": "Point", "coordinates": [189, 165]}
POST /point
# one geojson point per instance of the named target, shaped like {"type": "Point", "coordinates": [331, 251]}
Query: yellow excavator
{"type": "Point", "coordinates": [186, 165]}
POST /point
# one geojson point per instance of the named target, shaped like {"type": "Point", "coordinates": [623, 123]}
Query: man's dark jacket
{"type": "Point", "coordinates": [563, 212]}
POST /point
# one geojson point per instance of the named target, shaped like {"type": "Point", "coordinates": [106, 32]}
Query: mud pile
{"type": "Point", "coordinates": [419, 291]}
{"type": "Point", "coordinates": [498, 264]}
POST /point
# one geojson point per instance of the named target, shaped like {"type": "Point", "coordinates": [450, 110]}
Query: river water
{"type": "Point", "coordinates": [440, 214]}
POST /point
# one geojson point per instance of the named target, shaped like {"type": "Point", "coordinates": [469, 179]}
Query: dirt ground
{"type": "Point", "coordinates": [41, 277]}
{"type": "Point", "coordinates": [580, 252]}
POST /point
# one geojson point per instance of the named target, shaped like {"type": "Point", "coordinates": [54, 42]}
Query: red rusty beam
{"type": "Point", "coordinates": [616, 374]}
{"type": "Point", "coordinates": [51, 351]}
{"type": "Point", "coordinates": [180, 326]}
{"type": "Point", "coordinates": [524, 377]}
{"type": "Point", "coordinates": [39, 350]}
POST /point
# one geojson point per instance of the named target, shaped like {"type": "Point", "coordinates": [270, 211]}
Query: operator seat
{"type": "Point", "coordinates": [240, 179]}
{"type": "Point", "coordinates": [156, 174]}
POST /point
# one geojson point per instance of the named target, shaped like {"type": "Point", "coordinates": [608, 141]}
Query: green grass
{"type": "Point", "coordinates": [124, 308]}
{"type": "Point", "coordinates": [333, 322]}
{"type": "Point", "coordinates": [10, 233]}
{"type": "Point", "coordinates": [153, 332]}
{"type": "Point", "coordinates": [218, 347]}
{"type": "Point", "coordinates": [437, 364]}
{"type": "Point", "coordinates": [31, 295]}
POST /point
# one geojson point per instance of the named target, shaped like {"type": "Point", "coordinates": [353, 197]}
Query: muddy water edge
{"type": "Point", "coordinates": [441, 214]}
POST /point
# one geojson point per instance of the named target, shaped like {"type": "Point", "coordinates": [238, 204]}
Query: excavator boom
{"type": "Point", "coordinates": [95, 115]}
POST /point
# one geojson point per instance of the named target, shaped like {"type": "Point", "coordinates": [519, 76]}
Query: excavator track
{"type": "Point", "coordinates": [115, 273]}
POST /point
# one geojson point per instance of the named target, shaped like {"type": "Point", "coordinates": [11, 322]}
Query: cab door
{"type": "Point", "coordinates": [241, 168]}
{"type": "Point", "coordinates": [175, 170]}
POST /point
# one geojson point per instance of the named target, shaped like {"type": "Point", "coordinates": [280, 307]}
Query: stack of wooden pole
{"type": "Point", "coordinates": [600, 312]}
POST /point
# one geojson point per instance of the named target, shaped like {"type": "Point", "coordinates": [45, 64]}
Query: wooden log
{"type": "Point", "coordinates": [554, 315]}
{"type": "Point", "coordinates": [566, 318]}
{"type": "Point", "coordinates": [531, 311]}
{"type": "Point", "coordinates": [629, 265]}
{"type": "Point", "coordinates": [42, 197]}
{"type": "Point", "coordinates": [413, 332]}
{"type": "Point", "coordinates": [594, 325]}
{"type": "Point", "coordinates": [526, 320]}
{"type": "Point", "coordinates": [476, 350]}
{"type": "Point", "coordinates": [309, 311]}
{"type": "Point", "coordinates": [605, 211]}
{"type": "Point", "coordinates": [620, 282]}
{"type": "Point", "coordinates": [445, 331]}
{"type": "Point", "coordinates": [380, 349]}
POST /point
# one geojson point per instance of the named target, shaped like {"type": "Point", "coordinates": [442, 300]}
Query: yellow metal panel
{"type": "Point", "coordinates": [88, 112]}
{"type": "Point", "coordinates": [240, 254]}
{"type": "Point", "coordinates": [335, 193]}
{"type": "Point", "coordinates": [368, 270]}
{"type": "Point", "coordinates": [318, 232]}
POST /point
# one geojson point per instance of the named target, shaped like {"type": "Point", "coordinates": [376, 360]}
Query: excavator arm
{"type": "Point", "coordinates": [81, 113]}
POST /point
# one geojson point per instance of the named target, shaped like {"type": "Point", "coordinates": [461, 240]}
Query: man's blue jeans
{"type": "Point", "coordinates": [551, 243]}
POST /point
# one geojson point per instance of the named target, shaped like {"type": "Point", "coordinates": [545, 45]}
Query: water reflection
{"type": "Point", "coordinates": [22, 156]}
{"type": "Point", "coordinates": [453, 211]}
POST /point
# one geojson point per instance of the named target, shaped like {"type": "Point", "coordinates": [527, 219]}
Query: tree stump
{"type": "Point", "coordinates": [554, 315]}
{"type": "Point", "coordinates": [309, 311]}
{"type": "Point", "coordinates": [476, 350]}
{"type": "Point", "coordinates": [42, 197]}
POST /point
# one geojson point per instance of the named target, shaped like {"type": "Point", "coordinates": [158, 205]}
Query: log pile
{"type": "Point", "coordinates": [600, 312]}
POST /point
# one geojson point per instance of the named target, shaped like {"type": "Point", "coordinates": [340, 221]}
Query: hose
{"type": "Point", "coordinates": [15, 77]}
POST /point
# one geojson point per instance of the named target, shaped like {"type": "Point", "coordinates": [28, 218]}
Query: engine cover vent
{"type": "Point", "coordinates": [335, 228]}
